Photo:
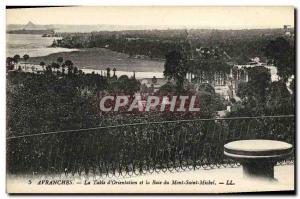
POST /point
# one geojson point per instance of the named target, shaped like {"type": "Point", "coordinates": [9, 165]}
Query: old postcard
{"type": "Point", "coordinates": [150, 99]}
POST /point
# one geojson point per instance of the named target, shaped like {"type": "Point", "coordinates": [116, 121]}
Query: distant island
{"type": "Point", "coordinates": [31, 28]}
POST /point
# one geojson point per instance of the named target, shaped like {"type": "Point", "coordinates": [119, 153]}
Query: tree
{"type": "Point", "coordinates": [175, 68]}
{"type": "Point", "coordinates": [9, 63]}
{"type": "Point", "coordinates": [133, 86]}
{"type": "Point", "coordinates": [114, 69]}
{"type": "Point", "coordinates": [256, 89]}
{"type": "Point", "coordinates": [235, 71]}
{"type": "Point", "coordinates": [282, 54]}
{"type": "Point", "coordinates": [206, 67]}
{"type": "Point", "coordinates": [260, 96]}
{"type": "Point", "coordinates": [69, 64]}
{"type": "Point", "coordinates": [205, 87]}
{"type": "Point", "coordinates": [108, 72]}
{"type": "Point", "coordinates": [125, 85]}
{"type": "Point", "coordinates": [60, 60]}
{"type": "Point", "coordinates": [42, 64]}
{"type": "Point", "coordinates": [154, 80]}
{"type": "Point", "coordinates": [63, 66]}
{"type": "Point", "coordinates": [49, 69]}
{"type": "Point", "coordinates": [75, 70]}
{"type": "Point", "coordinates": [210, 101]}
{"type": "Point", "coordinates": [16, 58]}
{"type": "Point", "coordinates": [279, 99]}
{"type": "Point", "coordinates": [167, 88]}
{"type": "Point", "coordinates": [55, 66]}
{"type": "Point", "coordinates": [25, 57]}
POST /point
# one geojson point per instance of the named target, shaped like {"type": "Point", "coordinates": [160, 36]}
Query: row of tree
{"type": "Point", "coordinates": [11, 62]}
{"type": "Point", "coordinates": [261, 96]}
{"type": "Point", "coordinates": [240, 44]}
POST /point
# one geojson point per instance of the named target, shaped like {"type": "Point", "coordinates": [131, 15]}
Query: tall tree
{"type": "Point", "coordinates": [55, 66]}
{"type": "Point", "coordinates": [279, 98]}
{"type": "Point", "coordinates": [9, 63]}
{"type": "Point", "coordinates": [60, 60]}
{"type": "Point", "coordinates": [114, 69]}
{"type": "Point", "coordinates": [16, 58]}
{"type": "Point", "coordinates": [175, 68]}
{"type": "Point", "coordinates": [257, 87]}
{"type": "Point", "coordinates": [25, 57]}
{"type": "Point", "coordinates": [108, 72]}
{"type": "Point", "coordinates": [69, 64]}
{"type": "Point", "coordinates": [282, 53]}
{"type": "Point", "coordinates": [75, 70]}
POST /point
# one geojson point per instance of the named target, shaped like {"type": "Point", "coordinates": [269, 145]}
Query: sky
{"type": "Point", "coordinates": [200, 17]}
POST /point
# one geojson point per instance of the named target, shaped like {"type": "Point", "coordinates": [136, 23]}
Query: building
{"type": "Point", "coordinates": [226, 83]}
{"type": "Point", "coordinates": [154, 83]}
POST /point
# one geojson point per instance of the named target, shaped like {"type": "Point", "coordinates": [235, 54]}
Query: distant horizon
{"type": "Point", "coordinates": [171, 17]}
{"type": "Point", "coordinates": [165, 27]}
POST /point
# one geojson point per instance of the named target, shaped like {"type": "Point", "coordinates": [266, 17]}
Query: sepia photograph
{"type": "Point", "coordinates": [150, 99]}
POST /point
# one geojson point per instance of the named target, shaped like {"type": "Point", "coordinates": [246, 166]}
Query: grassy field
{"type": "Point", "coordinates": [99, 58]}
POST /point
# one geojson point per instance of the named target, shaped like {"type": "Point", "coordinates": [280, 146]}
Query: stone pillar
{"type": "Point", "coordinates": [259, 169]}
